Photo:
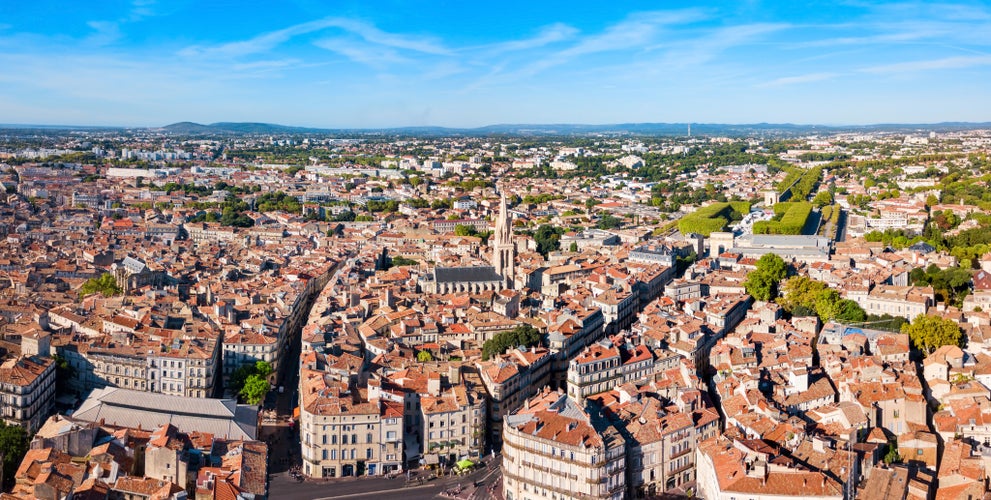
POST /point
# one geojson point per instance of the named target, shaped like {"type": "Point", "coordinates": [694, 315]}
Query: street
{"type": "Point", "coordinates": [284, 487]}
{"type": "Point", "coordinates": [284, 453]}
{"type": "Point", "coordinates": [283, 440]}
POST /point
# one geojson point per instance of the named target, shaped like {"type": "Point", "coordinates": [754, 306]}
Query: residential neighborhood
{"type": "Point", "coordinates": [706, 316]}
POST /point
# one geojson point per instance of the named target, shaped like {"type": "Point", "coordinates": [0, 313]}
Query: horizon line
{"type": "Point", "coordinates": [469, 128]}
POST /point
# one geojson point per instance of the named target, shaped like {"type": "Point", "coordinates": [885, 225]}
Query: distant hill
{"type": "Point", "coordinates": [570, 129]}
{"type": "Point", "coordinates": [547, 130]}
{"type": "Point", "coordinates": [190, 128]}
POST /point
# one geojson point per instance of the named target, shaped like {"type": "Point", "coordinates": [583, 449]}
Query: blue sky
{"type": "Point", "coordinates": [380, 63]}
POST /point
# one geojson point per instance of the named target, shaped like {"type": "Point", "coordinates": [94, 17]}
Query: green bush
{"type": "Point", "coordinates": [782, 208]}
{"type": "Point", "coordinates": [791, 221]}
{"type": "Point", "coordinates": [713, 218]}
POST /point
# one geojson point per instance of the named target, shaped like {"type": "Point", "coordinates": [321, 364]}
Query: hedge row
{"type": "Point", "coordinates": [791, 222]}
{"type": "Point", "coordinates": [713, 218]}
{"type": "Point", "coordinates": [800, 181]}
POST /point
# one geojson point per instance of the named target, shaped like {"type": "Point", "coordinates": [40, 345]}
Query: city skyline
{"type": "Point", "coordinates": [352, 65]}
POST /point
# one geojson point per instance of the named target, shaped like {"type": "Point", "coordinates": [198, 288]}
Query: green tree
{"type": "Point", "coordinates": [254, 390]}
{"type": "Point", "coordinates": [804, 296]}
{"type": "Point", "coordinates": [524, 335]}
{"type": "Point", "coordinates": [263, 368]}
{"type": "Point", "coordinates": [800, 291]}
{"type": "Point", "coordinates": [608, 221]}
{"type": "Point", "coordinates": [892, 456]}
{"type": "Point", "coordinates": [13, 447]}
{"type": "Point", "coordinates": [237, 379]}
{"type": "Point", "coordinates": [573, 247]}
{"type": "Point", "coordinates": [64, 372]}
{"type": "Point", "coordinates": [399, 260]}
{"type": "Point", "coordinates": [929, 333]}
{"type": "Point", "coordinates": [548, 239]}
{"type": "Point", "coordinates": [106, 285]}
{"type": "Point", "coordinates": [849, 311]}
{"type": "Point", "coordinates": [465, 230]}
{"type": "Point", "coordinates": [822, 199]}
{"type": "Point", "coordinates": [762, 284]}
{"type": "Point", "coordinates": [424, 356]}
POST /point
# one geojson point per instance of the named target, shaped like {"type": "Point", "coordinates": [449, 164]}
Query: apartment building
{"type": "Point", "coordinates": [553, 449]}
{"type": "Point", "coordinates": [509, 380]}
{"type": "Point", "coordinates": [186, 366]}
{"type": "Point", "coordinates": [905, 301]}
{"type": "Point", "coordinates": [27, 391]}
{"type": "Point", "coordinates": [453, 423]}
{"type": "Point", "coordinates": [344, 435]}
{"type": "Point", "coordinates": [597, 369]}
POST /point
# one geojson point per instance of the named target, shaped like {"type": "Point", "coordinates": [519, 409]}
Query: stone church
{"type": "Point", "coordinates": [475, 279]}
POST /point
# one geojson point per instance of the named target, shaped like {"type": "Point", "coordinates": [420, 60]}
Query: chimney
{"type": "Point", "coordinates": [433, 384]}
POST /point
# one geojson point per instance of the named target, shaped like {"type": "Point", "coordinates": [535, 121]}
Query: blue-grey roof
{"type": "Point", "coordinates": [466, 274]}
{"type": "Point", "coordinates": [133, 409]}
{"type": "Point", "coordinates": [133, 265]}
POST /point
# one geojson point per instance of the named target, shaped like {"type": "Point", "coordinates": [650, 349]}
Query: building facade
{"type": "Point", "coordinates": [27, 391]}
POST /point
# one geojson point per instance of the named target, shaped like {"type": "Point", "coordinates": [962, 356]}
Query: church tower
{"type": "Point", "coordinates": [503, 248]}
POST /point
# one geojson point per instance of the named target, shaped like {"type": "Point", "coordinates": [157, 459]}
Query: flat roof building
{"type": "Point", "coordinates": [137, 409]}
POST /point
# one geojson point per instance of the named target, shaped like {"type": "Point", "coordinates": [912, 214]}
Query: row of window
{"type": "Point", "coordinates": [449, 433]}
{"type": "Point", "coordinates": [464, 419]}
{"type": "Point", "coordinates": [332, 454]}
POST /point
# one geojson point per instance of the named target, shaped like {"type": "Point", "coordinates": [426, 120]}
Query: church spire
{"type": "Point", "coordinates": [503, 248]}
{"type": "Point", "coordinates": [503, 232]}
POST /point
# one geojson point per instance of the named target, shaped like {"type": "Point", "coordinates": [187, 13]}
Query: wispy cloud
{"type": "Point", "coordinates": [272, 39]}
{"type": "Point", "coordinates": [105, 32]}
{"type": "Point", "coordinates": [905, 37]}
{"type": "Point", "coordinates": [411, 65]}
{"type": "Point", "coordinates": [375, 56]}
{"type": "Point", "coordinates": [799, 79]}
{"type": "Point", "coordinates": [636, 32]}
{"type": "Point", "coordinates": [959, 62]}
{"type": "Point", "coordinates": [265, 66]}
{"type": "Point", "coordinates": [703, 47]}
{"type": "Point", "coordinates": [554, 33]}
{"type": "Point", "coordinates": [141, 9]}
{"type": "Point", "coordinates": [108, 32]}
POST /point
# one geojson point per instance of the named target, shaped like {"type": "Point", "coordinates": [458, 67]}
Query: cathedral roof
{"type": "Point", "coordinates": [465, 274]}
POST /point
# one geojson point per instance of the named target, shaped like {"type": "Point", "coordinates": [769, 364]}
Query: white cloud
{"type": "Point", "coordinates": [106, 32]}
{"type": "Point", "coordinates": [360, 52]}
{"type": "Point", "coordinates": [794, 80]}
{"type": "Point", "coordinates": [557, 32]}
{"type": "Point", "coordinates": [635, 32]}
{"type": "Point", "coordinates": [958, 62]}
{"type": "Point", "coordinates": [268, 41]}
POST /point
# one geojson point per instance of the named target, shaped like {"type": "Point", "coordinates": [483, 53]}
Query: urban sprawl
{"type": "Point", "coordinates": [252, 316]}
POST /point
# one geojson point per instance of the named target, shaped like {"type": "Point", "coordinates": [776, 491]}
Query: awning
{"type": "Point", "coordinates": [295, 413]}
{"type": "Point", "coordinates": [465, 464]}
